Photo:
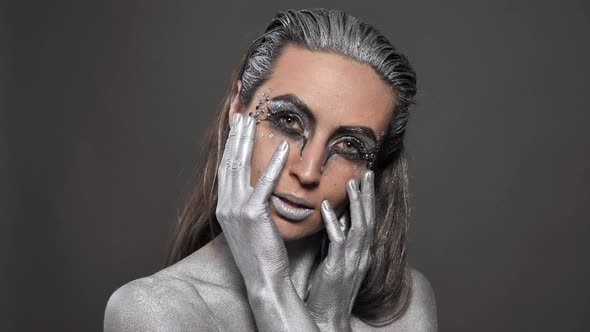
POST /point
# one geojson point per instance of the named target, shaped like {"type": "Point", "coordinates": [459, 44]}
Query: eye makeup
{"type": "Point", "coordinates": [355, 144]}
{"type": "Point", "coordinates": [289, 115]}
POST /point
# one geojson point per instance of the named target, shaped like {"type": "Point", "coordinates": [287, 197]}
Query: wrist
{"type": "Point", "coordinates": [343, 326]}
{"type": "Point", "coordinates": [268, 290]}
{"type": "Point", "coordinates": [334, 325]}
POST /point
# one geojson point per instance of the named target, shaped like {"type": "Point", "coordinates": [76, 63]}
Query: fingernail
{"type": "Point", "coordinates": [325, 205]}
{"type": "Point", "coordinates": [353, 191]}
{"type": "Point", "coordinates": [236, 118]}
{"type": "Point", "coordinates": [283, 145]}
{"type": "Point", "coordinates": [249, 121]}
{"type": "Point", "coordinates": [353, 185]}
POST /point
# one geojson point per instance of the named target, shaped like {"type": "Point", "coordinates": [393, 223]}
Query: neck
{"type": "Point", "coordinates": [302, 256]}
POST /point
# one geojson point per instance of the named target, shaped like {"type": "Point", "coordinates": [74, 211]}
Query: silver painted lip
{"type": "Point", "coordinates": [295, 199]}
{"type": "Point", "coordinates": [289, 212]}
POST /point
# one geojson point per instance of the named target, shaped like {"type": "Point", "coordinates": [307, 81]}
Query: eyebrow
{"type": "Point", "coordinates": [300, 104]}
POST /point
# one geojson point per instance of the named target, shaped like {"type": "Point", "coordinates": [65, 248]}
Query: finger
{"type": "Point", "coordinates": [335, 257]}
{"type": "Point", "coordinates": [245, 152]}
{"type": "Point", "coordinates": [224, 165]}
{"type": "Point", "coordinates": [238, 128]}
{"type": "Point", "coordinates": [269, 177]}
{"type": "Point", "coordinates": [231, 177]}
{"type": "Point", "coordinates": [368, 202]}
{"type": "Point", "coordinates": [358, 227]}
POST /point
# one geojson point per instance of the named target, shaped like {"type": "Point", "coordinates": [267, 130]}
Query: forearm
{"type": "Point", "coordinates": [277, 307]}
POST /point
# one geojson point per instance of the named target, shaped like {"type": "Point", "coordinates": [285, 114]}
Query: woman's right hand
{"type": "Point", "coordinates": [254, 240]}
{"type": "Point", "coordinates": [243, 212]}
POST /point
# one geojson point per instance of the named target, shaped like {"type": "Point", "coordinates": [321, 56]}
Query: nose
{"type": "Point", "coordinates": [307, 169]}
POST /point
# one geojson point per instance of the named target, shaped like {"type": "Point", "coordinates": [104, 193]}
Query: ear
{"type": "Point", "coordinates": [234, 107]}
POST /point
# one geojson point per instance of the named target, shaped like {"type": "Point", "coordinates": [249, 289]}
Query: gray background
{"type": "Point", "coordinates": [103, 105]}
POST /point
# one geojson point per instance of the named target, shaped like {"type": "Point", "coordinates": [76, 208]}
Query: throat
{"type": "Point", "coordinates": [303, 259]}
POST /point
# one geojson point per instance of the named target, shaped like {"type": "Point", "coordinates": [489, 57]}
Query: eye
{"type": "Point", "coordinates": [349, 148]}
{"type": "Point", "coordinates": [288, 122]}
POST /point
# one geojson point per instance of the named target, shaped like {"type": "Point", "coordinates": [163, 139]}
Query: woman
{"type": "Point", "coordinates": [299, 218]}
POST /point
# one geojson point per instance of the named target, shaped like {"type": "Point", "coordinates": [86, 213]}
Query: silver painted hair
{"type": "Point", "coordinates": [385, 291]}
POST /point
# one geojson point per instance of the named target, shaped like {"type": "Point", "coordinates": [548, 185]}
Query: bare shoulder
{"type": "Point", "coordinates": [421, 312]}
{"type": "Point", "coordinates": [190, 295]}
{"type": "Point", "coordinates": [161, 302]}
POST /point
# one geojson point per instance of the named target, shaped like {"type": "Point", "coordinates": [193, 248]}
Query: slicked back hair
{"type": "Point", "coordinates": [385, 292]}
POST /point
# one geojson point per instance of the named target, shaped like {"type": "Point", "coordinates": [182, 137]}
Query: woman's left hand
{"type": "Point", "coordinates": [338, 278]}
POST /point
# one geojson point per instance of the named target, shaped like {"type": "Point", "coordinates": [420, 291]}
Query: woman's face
{"type": "Point", "coordinates": [332, 111]}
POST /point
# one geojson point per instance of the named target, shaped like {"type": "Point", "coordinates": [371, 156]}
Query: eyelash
{"type": "Point", "coordinates": [356, 144]}
{"type": "Point", "coordinates": [276, 116]}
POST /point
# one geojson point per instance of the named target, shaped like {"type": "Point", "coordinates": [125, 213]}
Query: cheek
{"type": "Point", "coordinates": [337, 172]}
{"type": "Point", "coordinates": [265, 143]}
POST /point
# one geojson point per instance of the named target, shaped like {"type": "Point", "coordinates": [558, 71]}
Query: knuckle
{"type": "Point", "coordinates": [250, 214]}
{"type": "Point", "coordinates": [349, 274]}
{"type": "Point", "coordinates": [362, 233]}
{"type": "Point", "coordinates": [220, 214]}
{"type": "Point", "coordinates": [223, 166]}
{"type": "Point", "coordinates": [358, 233]}
{"type": "Point", "coordinates": [265, 178]}
{"type": "Point", "coordinates": [354, 202]}
{"type": "Point", "coordinates": [276, 160]}
{"type": "Point", "coordinates": [234, 212]}
{"type": "Point", "coordinates": [277, 157]}
{"type": "Point", "coordinates": [331, 273]}
{"type": "Point", "coordinates": [339, 241]}
{"type": "Point", "coordinates": [236, 165]}
{"type": "Point", "coordinates": [363, 265]}
{"type": "Point", "coordinates": [371, 225]}
{"type": "Point", "coordinates": [244, 136]}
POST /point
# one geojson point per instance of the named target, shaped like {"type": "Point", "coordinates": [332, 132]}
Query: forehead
{"type": "Point", "coordinates": [337, 90]}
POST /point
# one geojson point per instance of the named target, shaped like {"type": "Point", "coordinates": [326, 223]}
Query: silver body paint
{"type": "Point", "coordinates": [248, 278]}
{"type": "Point", "coordinates": [289, 212]}
{"type": "Point", "coordinates": [205, 292]}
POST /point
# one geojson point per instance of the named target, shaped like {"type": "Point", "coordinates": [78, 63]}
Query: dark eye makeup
{"type": "Point", "coordinates": [349, 147]}
{"type": "Point", "coordinates": [290, 115]}
{"type": "Point", "coordinates": [288, 122]}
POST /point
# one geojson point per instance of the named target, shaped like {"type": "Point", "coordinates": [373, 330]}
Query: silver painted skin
{"type": "Point", "coordinates": [249, 279]}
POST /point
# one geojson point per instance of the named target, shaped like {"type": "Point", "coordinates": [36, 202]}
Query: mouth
{"type": "Point", "coordinates": [291, 207]}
